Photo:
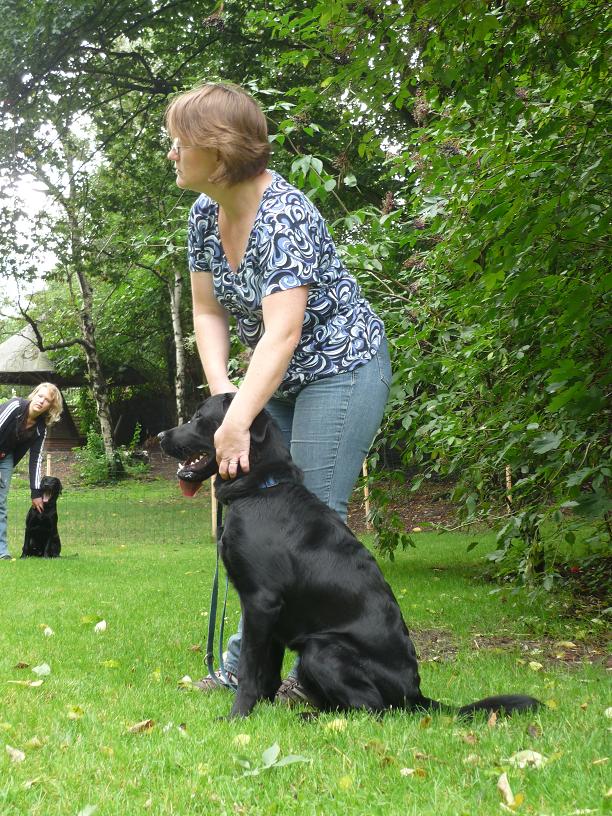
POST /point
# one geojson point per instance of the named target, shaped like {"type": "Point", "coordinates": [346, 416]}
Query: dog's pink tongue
{"type": "Point", "coordinates": [189, 489]}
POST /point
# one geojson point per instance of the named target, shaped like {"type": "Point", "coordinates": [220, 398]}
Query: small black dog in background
{"type": "Point", "coordinates": [41, 537]}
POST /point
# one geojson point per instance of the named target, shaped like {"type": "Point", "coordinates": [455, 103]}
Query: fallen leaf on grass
{"type": "Point", "coordinates": [31, 782]}
{"type": "Point", "coordinates": [528, 759]}
{"type": "Point", "coordinates": [601, 761]}
{"type": "Point", "coordinates": [470, 738]}
{"type": "Point", "coordinates": [22, 665]}
{"type": "Point", "coordinates": [518, 801]}
{"type": "Point", "coordinates": [335, 725]}
{"type": "Point", "coordinates": [505, 791]}
{"type": "Point", "coordinates": [241, 740]}
{"type": "Point", "coordinates": [75, 712]}
{"type": "Point", "coordinates": [492, 721]}
{"type": "Point", "coordinates": [608, 713]}
{"type": "Point", "coordinates": [100, 627]}
{"type": "Point", "coordinates": [4, 726]}
{"type": "Point", "coordinates": [535, 666]}
{"type": "Point", "coordinates": [88, 810]}
{"type": "Point", "coordinates": [30, 683]}
{"type": "Point", "coordinates": [35, 742]}
{"type": "Point", "coordinates": [413, 772]}
{"type": "Point", "coordinates": [376, 745]}
{"type": "Point", "coordinates": [48, 631]}
{"type": "Point", "coordinates": [15, 754]}
{"type": "Point", "coordinates": [534, 730]}
{"type": "Point", "coordinates": [43, 670]}
{"type": "Point", "coordinates": [185, 682]}
{"type": "Point", "coordinates": [141, 727]}
{"type": "Point", "coordinates": [425, 722]}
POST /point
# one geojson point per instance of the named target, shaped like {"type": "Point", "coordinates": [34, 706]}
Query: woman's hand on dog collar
{"type": "Point", "coordinates": [232, 450]}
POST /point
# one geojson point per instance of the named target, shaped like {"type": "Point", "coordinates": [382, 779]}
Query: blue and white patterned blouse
{"type": "Point", "coordinates": [289, 246]}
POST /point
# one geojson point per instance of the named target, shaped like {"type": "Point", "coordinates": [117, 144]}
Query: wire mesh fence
{"type": "Point", "coordinates": [132, 512]}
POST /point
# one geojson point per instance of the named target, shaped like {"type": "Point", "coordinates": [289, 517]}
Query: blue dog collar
{"type": "Point", "coordinates": [269, 482]}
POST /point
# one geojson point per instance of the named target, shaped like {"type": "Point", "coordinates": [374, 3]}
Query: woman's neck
{"type": "Point", "coordinates": [242, 200]}
{"type": "Point", "coordinates": [31, 418]}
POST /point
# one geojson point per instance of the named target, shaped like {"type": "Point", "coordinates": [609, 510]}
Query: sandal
{"type": "Point", "coordinates": [291, 692]}
{"type": "Point", "coordinates": [208, 683]}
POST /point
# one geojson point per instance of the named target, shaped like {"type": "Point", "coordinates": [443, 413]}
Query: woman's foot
{"type": "Point", "coordinates": [208, 683]}
{"type": "Point", "coordinates": [291, 692]}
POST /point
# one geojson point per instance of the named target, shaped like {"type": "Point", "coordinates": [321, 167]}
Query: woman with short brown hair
{"type": "Point", "coordinates": [224, 118]}
{"type": "Point", "coordinates": [260, 253]}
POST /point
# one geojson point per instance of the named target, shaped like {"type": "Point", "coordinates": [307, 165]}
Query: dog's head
{"type": "Point", "coordinates": [193, 443]}
{"type": "Point", "coordinates": [51, 488]}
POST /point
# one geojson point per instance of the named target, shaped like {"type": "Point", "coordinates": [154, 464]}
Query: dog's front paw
{"type": "Point", "coordinates": [231, 716]}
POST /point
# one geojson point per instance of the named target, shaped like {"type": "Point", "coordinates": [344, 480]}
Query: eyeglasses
{"type": "Point", "coordinates": [175, 147]}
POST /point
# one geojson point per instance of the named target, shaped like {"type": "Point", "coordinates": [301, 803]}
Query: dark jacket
{"type": "Point", "coordinates": [12, 414]}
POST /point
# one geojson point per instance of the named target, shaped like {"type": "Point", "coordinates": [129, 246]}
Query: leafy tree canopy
{"type": "Point", "coordinates": [461, 153]}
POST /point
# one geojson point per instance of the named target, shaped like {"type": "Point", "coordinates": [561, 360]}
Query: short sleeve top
{"type": "Point", "coordinates": [289, 246]}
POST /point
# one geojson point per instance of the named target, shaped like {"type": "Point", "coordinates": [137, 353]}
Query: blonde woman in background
{"type": "Point", "coordinates": [23, 428]}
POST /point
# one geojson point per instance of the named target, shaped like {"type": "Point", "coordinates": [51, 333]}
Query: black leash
{"type": "Point", "coordinates": [224, 680]}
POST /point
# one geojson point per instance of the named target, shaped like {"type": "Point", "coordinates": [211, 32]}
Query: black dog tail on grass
{"type": "Point", "coordinates": [502, 704]}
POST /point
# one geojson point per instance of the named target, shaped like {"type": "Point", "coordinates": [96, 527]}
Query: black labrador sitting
{"type": "Point", "coordinates": [305, 583]}
{"type": "Point", "coordinates": [41, 536]}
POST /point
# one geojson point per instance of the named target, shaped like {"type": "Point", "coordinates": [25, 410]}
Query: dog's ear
{"type": "Point", "coordinates": [259, 428]}
{"type": "Point", "coordinates": [227, 401]}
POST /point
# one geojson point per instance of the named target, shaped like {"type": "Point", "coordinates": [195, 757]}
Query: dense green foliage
{"type": "Point", "coordinates": [461, 152]}
{"type": "Point", "coordinates": [94, 468]}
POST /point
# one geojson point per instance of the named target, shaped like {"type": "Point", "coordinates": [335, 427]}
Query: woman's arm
{"type": "Point", "coordinates": [210, 323]}
{"type": "Point", "coordinates": [283, 316]}
{"type": "Point", "coordinates": [7, 410]}
{"type": "Point", "coordinates": [36, 457]}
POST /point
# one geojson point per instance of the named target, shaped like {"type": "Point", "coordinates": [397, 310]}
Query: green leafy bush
{"type": "Point", "coordinates": [96, 468]}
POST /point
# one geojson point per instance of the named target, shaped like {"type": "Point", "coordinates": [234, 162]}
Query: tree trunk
{"type": "Point", "coordinates": [175, 288]}
{"type": "Point", "coordinates": [97, 380]}
{"type": "Point", "coordinates": [94, 369]}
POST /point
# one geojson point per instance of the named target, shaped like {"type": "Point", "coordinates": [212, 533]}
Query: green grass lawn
{"type": "Point", "coordinates": [142, 559]}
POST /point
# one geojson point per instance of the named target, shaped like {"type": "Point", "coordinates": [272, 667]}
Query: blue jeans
{"type": "Point", "coordinates": [329, 427]}
{"type": "Point", "coordinates": [6, 471]}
